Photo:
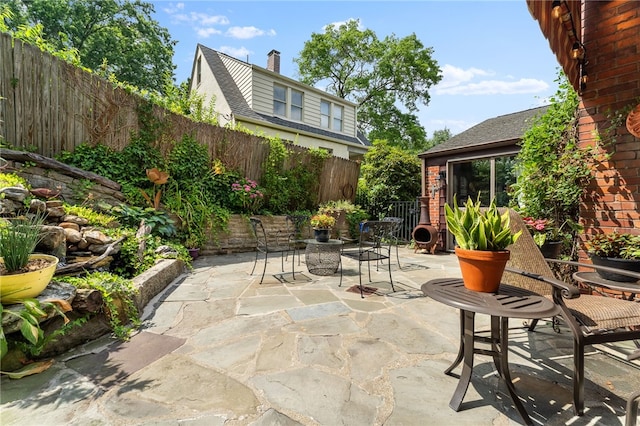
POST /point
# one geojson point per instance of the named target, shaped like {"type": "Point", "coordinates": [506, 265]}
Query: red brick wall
{"type": "Point", "coordinates": [436, 201]}
{"type": "Point", "coordinates": [612, 38]}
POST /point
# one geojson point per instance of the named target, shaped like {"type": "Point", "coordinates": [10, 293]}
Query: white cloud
{"type": "Point", "coordinates": [207, 32]}
{"type": "Point", "coordinates": [240, 53]}
{"type": "Point", "coordinates": [454, 76]}
{"type": "Point", "coordinates": [244, 33]}
{"type": "Point", "coordinates": [455, 126]}
{"type": "Point", "coordinates": [338, 24]}
{"type": "Point", "coordinates": [198, 19]}
{"type": "Point", "coordinates": [173, 8]}
{"type": "Point", "coordinates": [458, 81]}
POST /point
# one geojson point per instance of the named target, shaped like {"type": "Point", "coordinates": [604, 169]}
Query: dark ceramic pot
{"type": "Point", "coordinates": [194, 252]}
{"type": "Point", "coordinates": [614, 262]}
{"type": "Point", "coordinates": [551, 249]}
{"type": "Point", "coordinates": [322, 235]}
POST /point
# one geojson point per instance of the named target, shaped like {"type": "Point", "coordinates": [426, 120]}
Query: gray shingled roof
{"type": "Point", "coordinates": [240, 108]}
{"type": "Point", "coordinates": [509, 127]}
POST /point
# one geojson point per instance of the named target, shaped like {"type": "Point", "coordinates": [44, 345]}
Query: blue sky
{"type": "Point", "coordinates": [493, 56]}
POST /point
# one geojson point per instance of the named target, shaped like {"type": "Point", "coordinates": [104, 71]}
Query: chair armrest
{"type": "Point", "coordinates": [567, 291]}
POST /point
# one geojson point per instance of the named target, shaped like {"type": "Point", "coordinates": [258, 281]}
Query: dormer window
{"type": "Point", "coordinates": [287, 102]}
{"type": "Point", "coordinates": [331, 116]}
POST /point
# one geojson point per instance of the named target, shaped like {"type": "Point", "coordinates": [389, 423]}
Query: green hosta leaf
{"type": "Point", "coordinates": [30, 332]}
{"type": "Point", "coordinates": [33, 306]}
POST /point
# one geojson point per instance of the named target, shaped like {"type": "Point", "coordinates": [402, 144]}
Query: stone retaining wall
{"type": "Point", "coordinates": [239, 237]}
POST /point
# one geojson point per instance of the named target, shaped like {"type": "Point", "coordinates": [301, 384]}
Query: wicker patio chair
{"type": "Point", "coordinates": [592, 319]}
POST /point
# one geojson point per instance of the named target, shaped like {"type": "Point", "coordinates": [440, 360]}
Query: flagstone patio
{"type": "Point", "coordinates": [217, 348]}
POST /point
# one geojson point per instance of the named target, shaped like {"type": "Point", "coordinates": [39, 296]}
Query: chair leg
{"type": "Point", "coordinates": [390, 279]}
{"type": "Point", "coordinates": [632, 409]}
{"type": "Point", "coordinates": [398, 256]}
{"type": "Point", "coordinates": [254, 263]}
{"type": "Point", "coordinates": [578, 378]}
{"type": "Point", "coordinates": [533, 324]}
{"type": "Point", "coordinates": [266, 255]}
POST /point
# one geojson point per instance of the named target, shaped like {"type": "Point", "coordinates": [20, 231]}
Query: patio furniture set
{"type": "Point", "coordinates": [325, 257]}
{"type": "Point", "coordinates": [528, 291]}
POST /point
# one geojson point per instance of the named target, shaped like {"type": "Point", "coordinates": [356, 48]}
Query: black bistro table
{"type": "Point", "coordinates": [323, 258]}
{"type": "Point", "coordinates": [508, 302]}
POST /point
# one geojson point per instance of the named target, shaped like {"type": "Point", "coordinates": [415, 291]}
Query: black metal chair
{"type": "Point", "coordinates": [632, 409]}
{"type": "Point", "coordinates": [267, 243]}
{"type": "Point", "coordinates": [395, 233]}
{"type": "Point", "coordinates": [373, 246]}
{"type": "Point", "coordinates": [299, 229]}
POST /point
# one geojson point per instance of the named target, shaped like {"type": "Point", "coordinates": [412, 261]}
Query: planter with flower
{"type": "Point", "coordinates": [23, 274]}
{"type": "Point", "coordinates": [550, 238]}
{"type": "Point", "coordinates": [482, 237]}
{"type": "Point", "coordinates": [322, 224]}
{"type": "Point", "coordinates": [616, 250]}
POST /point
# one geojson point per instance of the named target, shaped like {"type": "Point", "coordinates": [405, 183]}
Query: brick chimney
{"type": "Point", "coordinates": [273, 61]}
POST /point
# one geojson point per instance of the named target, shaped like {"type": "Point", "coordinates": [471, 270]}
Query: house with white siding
{"type": "Point", "coordinates": [266, 102]}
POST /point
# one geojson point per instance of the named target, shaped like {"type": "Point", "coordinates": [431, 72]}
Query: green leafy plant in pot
{"type": "Point", "coordinates": [482, 237]}
{"type": "Point", "coordinates": [615, 250]}
{"type": "Point", "coordinates": [322, 224]}
{"type": "Point", "coordinates": [23, 274]}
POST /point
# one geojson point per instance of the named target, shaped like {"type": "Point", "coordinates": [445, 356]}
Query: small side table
{"type": "Point", "coordinates": [508, 302]}
{"type": "Point", "coordinates": [592, 279]}
{"type": "Point", "coordinates": [323, 258]}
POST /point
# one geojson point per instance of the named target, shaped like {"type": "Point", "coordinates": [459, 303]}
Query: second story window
{"type": "Point", "coordinates": [331, 116]}
{"type": "Point", "coordinates": [325, 114]}
{"type": "Point", "coordinates": [287, 102]}
{"type": "Point", "coordinates": [296, 105]}
{"type": "Point", "coordinates": [337, 117]}
{"type": "Point", "coordinates": [279, 100]}
{"type": "Point", "coordinates": [199, 71]}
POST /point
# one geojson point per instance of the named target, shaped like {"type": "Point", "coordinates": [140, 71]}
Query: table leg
{"type": "Point", "coordinates": [458, 359]}
{"type": "Point", "coordinates": [467, 366]}
{"type": "Point", "coordinates": [504, 369]}
{"type": "Point", "coordinates": [495, 343]}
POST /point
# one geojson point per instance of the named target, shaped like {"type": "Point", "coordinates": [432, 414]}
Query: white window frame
{"type": "Point", "coordinates": [334, 120]}
{"type": "Point", "coordinates": [199, 71]}
{"type": "Point", "coordinates": [278, 101]}
{"type": "Point", "coordinates": [290, 109]}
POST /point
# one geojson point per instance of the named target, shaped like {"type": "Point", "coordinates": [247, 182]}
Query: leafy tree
{"type": "Point", "coordinates": [112, 36]}
{"type": "Point", "coordinates": [439, 136]}
{"type": "Point", "coordinates": [553, 170]}
{"type": "Point", "coordinates": [386, 78]}
{"type": "Point", "coordinates": [388, 174]}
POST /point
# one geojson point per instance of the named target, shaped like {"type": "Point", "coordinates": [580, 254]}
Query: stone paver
{"type": "Point", "coordinates": [218, 348]}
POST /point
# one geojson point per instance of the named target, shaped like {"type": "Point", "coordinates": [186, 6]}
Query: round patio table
{"type": "Point", "coordinates": [507, 302]}
{"type": "Point", "coordinates": [323, 258]}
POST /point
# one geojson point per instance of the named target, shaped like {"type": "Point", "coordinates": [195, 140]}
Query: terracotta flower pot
{"type": "Point", "coordinates": [482, 270]}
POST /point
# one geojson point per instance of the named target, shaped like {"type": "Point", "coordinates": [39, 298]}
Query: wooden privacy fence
{"type": "Point", "coordinates": [50, 106]}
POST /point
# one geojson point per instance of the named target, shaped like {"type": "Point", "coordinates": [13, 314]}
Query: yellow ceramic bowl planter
{"type": "Point", "coordinates": [17, 287]}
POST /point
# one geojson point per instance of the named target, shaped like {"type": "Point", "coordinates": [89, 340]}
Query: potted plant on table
{"type": "Point", "coordinates": [23, 274]}
{"type": "Point", "coordinates": [615, 250]}
{"type": "Point", "coordinates": [322, 224]}
{"type": "Point", "coordinates": [482, 237]}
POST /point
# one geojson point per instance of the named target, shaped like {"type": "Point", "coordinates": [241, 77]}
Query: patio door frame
{"type": "Point", "coordinates": [492, 179]}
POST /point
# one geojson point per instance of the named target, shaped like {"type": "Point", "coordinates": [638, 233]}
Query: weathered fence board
{"type": "Point", "coordinates": [51, 106]}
